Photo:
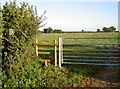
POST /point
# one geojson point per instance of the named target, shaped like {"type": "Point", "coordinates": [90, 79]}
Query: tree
{"type": "Point", "coordinates": [48, 30]}
{"type": "Point", "coordinates": [82, 30]}
{"type": "Point", "coordinates": [57, 31]}
{"type": "Point", "coordinates": [104, 29]}
{"type": "Point", "coordinates": [98, 30]}
{"type": "Point", "coordinates": [113, 28]}
{"type": "Point", "coordinates": [45, 31]}
{"type": "Point", "coordinates": [109, 29]}
{"type": "Point", "coordinates": [25, 23]}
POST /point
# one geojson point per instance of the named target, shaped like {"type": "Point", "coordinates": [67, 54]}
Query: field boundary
{"type": "Point", "coordinates": [70, 59]}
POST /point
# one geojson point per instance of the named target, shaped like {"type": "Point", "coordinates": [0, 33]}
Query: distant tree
{"type": "Point", "coordinates": [48, 30]}
{"type": "Point", "coordinates": [112, 28]}
{"type": "Point", "coordinates": [57, 31]}
{"type": "Point", "coordinates": [109, 29]}
{"type": "Point", "coordinates": [98, 30]}
{"type": "Point", "coordinates": [82, 30]}
{"type": "Point", "coordinates": [104, 29]}
{"type": "Point", "coordinates": [45, 31]}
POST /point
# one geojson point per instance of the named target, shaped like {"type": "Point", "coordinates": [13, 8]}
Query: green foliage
{"type": "Point", "coordinates": [0, 21]}
{"type": "Point", "coordinates": [57, 31]}
{"type": "Point", "coordinates": [19, 60]}
{"type": "Point", "coordinates": [82, 30]}
{"type": "Point", "coordinates": [109, 29]}
{"type": "Point", "coordinates": [21, 68]}
{"type": "Point", "coordinates": [98, 30]}
{"type": "Point", "coordinates": [112, 28]}
{"type": "Point", "coordinates": [24, 23]}
{"type": "Point", "coordinates": [50, 30]}
{"type": "Point", "coordinates": [42, 76]}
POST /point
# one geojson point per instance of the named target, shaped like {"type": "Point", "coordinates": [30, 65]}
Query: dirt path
{"type": "Point", "coordinates": [109, 73]}
{"type": "Point", "coordinates": [105, 77]}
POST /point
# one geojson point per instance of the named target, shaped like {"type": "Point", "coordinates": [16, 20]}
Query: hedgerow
{"type": "Point", "coordinates": [20, 66]}
{"type": "Point", "coordinates": [18, 53]}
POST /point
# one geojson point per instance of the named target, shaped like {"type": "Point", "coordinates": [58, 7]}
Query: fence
{"type": "Point", "coordinates": [46, 44]}
{"type": "Point", "coordinates": [68, 56]}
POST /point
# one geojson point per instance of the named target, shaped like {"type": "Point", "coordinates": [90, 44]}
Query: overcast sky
{"type": "Point", "coordinates": [77, 15]}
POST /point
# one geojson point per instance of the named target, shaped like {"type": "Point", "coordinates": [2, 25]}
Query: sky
{"type": "Point", "coordinates": [77, 15]}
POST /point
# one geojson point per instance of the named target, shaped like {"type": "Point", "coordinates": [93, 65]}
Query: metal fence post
{"type": "Point", "coordinates": [60, 57]}
{"type": "Point", "coordinates": [55, 52]}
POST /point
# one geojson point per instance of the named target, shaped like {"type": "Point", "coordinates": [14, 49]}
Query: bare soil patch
{"type": "Point", "coordinates": [106, 77]}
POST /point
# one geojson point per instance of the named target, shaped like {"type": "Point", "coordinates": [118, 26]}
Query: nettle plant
{"type": "Point", "coordinates": [18, 52]}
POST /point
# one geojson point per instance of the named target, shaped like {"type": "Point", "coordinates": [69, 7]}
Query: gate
{"type": "Point", "coordinates": [90, 54]}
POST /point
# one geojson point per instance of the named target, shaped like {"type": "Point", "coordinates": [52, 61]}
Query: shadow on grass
{"type": "Point", "coordinates": [109, 74]}
{"type": "Point", "coordinates": [84, 70]}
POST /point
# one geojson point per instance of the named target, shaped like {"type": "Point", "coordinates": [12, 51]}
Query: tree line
{"type": "Point", "coordinates": [50, 30]}
{"type": "Point", "coordinates": [104, 29]}
{"type": "Point", "coordinates": [107, 29]}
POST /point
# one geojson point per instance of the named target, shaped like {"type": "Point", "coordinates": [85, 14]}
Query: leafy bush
{"type": "Point", "coordinates": [19, 60]}
{"type": "Point", "coordinates": [21, 68]}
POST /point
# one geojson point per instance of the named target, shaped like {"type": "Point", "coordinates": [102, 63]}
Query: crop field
{"type": "Point", "coordinates": [49, 38]}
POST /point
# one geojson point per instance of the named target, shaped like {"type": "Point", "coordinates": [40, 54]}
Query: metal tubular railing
{"type": "Point", "coordinates": [91, 60]}
{"type": "Point", "coordinates": [92, 53]}
{"type": "Point", "coordinates": [90, 37]}
{"type": "Point", "coordinates": [91, 50]}
{"type": "Point", "coordinates": [70, 56]}
{"type": "Point", "coordinates": [89, 63]}
{"type": "Point", "coordinates": [92, 57]}
{"type": "Point", "coordinates": [90, 44]}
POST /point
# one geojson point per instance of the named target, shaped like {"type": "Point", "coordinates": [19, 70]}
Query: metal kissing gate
{"type": "Point", "coordinates": [90, 54]}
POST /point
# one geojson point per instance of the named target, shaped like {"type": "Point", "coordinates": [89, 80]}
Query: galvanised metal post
{"type": "Point", "coordinates": [60, 51]}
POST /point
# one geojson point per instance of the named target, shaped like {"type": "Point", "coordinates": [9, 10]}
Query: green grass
{"type": "Point", "coordinates": [73, 73]}
{"type": "Point", "coordinates": [49, 38]}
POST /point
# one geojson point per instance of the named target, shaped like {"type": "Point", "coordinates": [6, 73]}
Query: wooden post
{"type": "Point", "coordinates": [45, 63]}
{"type": "Point", "coordinates": [36, 47]}
{"type": "Point", "coordinates": [55, 52]}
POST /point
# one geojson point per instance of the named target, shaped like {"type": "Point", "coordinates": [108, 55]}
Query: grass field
{"type": "Point", "coordinates": [74, 73]}
{"type": "Point", "coordinates": [49, 38]}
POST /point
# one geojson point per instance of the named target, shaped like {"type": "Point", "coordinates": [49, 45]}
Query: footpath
{"type": "Point", "coordinates": [107, 77]}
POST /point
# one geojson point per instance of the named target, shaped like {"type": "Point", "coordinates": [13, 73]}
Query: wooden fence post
{"type": "Point", "coordinates": [36, 47]}
{"type": "Point", "coordinates": [55, 52]}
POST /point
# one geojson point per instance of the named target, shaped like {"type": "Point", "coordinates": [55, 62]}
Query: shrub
{"type": "Point", "coordinates": [19, 60]}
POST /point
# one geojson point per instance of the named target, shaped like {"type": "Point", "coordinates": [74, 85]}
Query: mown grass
{"type": "Point", "coordinates": [72, 74]}
{"type": "Point", "coordinates": [49, 38]}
